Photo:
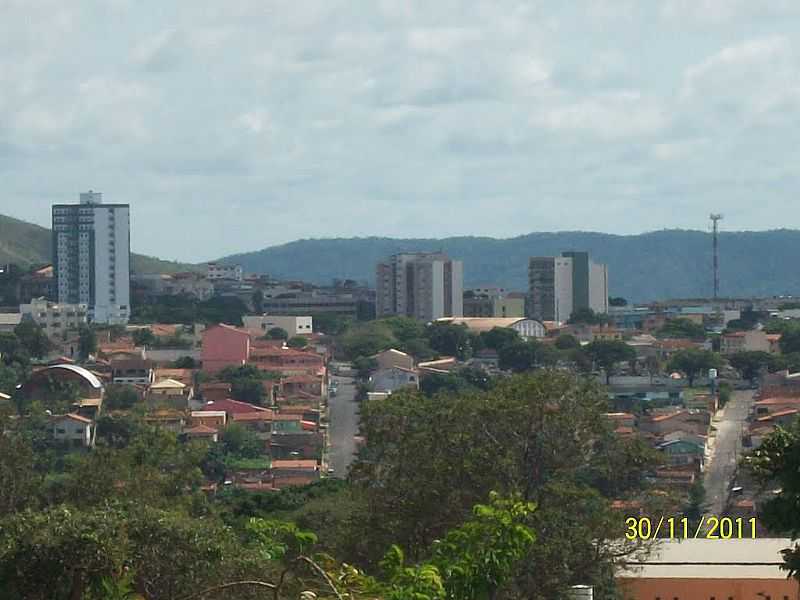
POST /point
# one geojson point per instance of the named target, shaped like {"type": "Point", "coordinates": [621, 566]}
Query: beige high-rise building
{"type": "Point", "coordinates": [423, 285]}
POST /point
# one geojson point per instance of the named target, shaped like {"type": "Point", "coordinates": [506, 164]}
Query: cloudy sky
{"type": "Point", "coordinates": [231, 126]}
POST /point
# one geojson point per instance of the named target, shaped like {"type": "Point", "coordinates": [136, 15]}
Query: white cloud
{"type": "Point", "coordinates": [255, 121]}
{"type": "Point", "coordinates": [716, 12]}
{"type": "Point", "coordinates": [620, 115]}
{"type": "Point", "coordinates": [340, 110]}
{"type": "Point", "coordinates": [755, 77]}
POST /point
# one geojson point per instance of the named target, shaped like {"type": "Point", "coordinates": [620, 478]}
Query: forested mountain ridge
{"type": "Point", "coordinates": [26, 244]}
{"type": "Point", "coordinates": [660, 264]}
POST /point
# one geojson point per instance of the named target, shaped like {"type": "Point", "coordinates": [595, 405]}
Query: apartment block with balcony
{"type": "Point", "coordinates": [55, 319]}
{"type": "Point", "coordinates": [91, 254]}
{"type": "Point", "coordinates": [422, 285]}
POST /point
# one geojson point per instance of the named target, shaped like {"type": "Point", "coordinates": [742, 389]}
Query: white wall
{"type": "Point", "coordinates": [261, 324]}
{"type": "Point", "coordinates": [458, 288]}
{"type": "Point", "coordinates": [563, 288]}
{"type": "Point", "coordinates": [598, 287]}
{"type": "Point", "coordinates": [106, 310]}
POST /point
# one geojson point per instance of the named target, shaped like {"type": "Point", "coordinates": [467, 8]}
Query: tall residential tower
{"type": "Point", "coordinates": [423, 285]}
{"type": "Point", "coordinates": [91, 257]}
{"type": "Point", "coordinates": [560, 285]}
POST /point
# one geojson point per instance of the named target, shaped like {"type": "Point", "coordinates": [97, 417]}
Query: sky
{"type": "Point", "coordinates": [232, 126]}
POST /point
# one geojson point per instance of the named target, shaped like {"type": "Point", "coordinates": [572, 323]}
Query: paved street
{"type": "Point", "coordinates": [343, 427]}
{"type": "Point", "coordinates": [727, 451]}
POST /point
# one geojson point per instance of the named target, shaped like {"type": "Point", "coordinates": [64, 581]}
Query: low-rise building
{"type": "Point", "coordinates": [224, 346]}
{"type": "Point", "coordinates": [526, 328]}
{"type": "Point", "coordinates": [393, 358]}
{"type": "Point", "coordinates": [170, 392]}
{"type": "Point", "coordinates": [293, 325]}
{"type": "Point", "coordinates": [393, 379]}
{"type": "Point", "coordinates": [72, 429]}
{"type": "Point", "coordinates": [755, 340]}
{"type": "Point", "coordinates": [693, 569]}
{"type": "Point", "coordinates": [216, 271]}
{"type": "Point", "coordinates": [132, 371]}
{"type": "Point", "coordinates": [55, 319]}
{"type": "Point", "coordinates": [9, 322]}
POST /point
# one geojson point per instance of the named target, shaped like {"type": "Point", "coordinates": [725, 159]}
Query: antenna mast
{"type": "Point", "coordinates": [715, 219]}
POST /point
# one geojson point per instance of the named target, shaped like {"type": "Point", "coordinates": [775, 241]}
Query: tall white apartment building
{"type": "Point", "coordinates": [426, 286]}
{"type": "Point", "coordinates": [91, 257]}
{"type": "Point", "coordinates": [560, 285]}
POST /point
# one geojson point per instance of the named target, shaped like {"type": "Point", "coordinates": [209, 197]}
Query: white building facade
{"type": "Point", "coordinates": [426, 286]}
{"type": "Point", "coordinates": [560, 285]}
{"type": "Point", "coordinates": [261, 324]}
{"type": "Point", "coordinates": [55, 319]}
{"type": "Point", "coordinates": [215, 271]}
{"type": "Point", "coordinates": [91, 257]}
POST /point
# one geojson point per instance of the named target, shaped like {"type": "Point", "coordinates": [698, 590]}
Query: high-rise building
{"type": "Point", "coordinates": [423, 285]}
{"type": "Point", "coordinates": [91, 257]}
{"type": "Point", "coordinates": [560, 285]}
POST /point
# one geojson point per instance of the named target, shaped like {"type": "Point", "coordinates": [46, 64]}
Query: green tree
{"type": "Point", "coordinates": [519, 357]}
{"type": "Point", "coordinates": [617, 301]}
{"type": "Point", "coordinates": [33, 338]}
{"type": "Point", "coordinates": [693, 361]}
{"type": "Point", "coordinates": [87, 342]}
{"type": "Point", "coordinates": [790, 340]}
{"type": "Point", "coordinates": [185, 362]}
{"type": "Point", "coordinates": [364, 366]}
{"type": "Point", "coordinates": [696, 506]}
{"type": "Point", "coordinates": [586, 316]}
{"type": "Point", "coordinates": [242, 442]}
{"type": "Point", "coordinates": [777, 462]}
{"type": "Point", "coordinates": [404, 328]}
{"type": "Point", "coordinates": [538, 434]}
{"type": "Point", "coordinates": [121, 397]}
{"type": "Point", "coordinates": [499, 337]}
{"type": "Point", "coordinates": [725, 392]}
{"type": "Point", "coordinates": [418, 348]}
{"type": "Point", "coordinates": [566, 341]}
{"type": "Point", "coordinates": [20, 481]}
{"type": "Point", "coordinates": [297, 341]}
{"type": "Point", "coordinates": [277, 333]}
{"type": "Point", "coordinates": [781, 362]}
{"type": "Point", "coordinates": [607, 354]}
{"type": "Point", "coordinates": [246, 383]}
{"type": "Point", "coordinates": [681, 328]}
{"type": "Point", "coordinates": [750, 364]}
{"type": "Point", "coordinates": [144, 337]}
{"type": "Point", "coordinates": [449, 339]}
{"type": "Point", "coordinates": [258, 302]}
{"type": "Point", "coordinates": [366, 339]}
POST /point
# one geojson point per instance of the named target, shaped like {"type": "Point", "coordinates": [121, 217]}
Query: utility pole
{"type": "Point", "coordinates": [715, 219]}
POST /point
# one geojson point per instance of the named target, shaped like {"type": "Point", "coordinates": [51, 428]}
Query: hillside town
{"type": "Point", "coordinates": [270, 377]}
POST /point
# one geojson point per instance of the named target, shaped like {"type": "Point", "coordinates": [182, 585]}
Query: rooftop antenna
{"type": "Point", "coordinates": [715, 219]}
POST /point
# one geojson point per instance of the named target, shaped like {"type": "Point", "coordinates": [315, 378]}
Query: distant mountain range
{"type": "Point", "coordinates": [28, 244]}
{"type": "Point", "coordinates": [661, 264]}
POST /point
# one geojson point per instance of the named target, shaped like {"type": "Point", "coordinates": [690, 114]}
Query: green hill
{"type": "Point", "coordinates": [28, 244]}
{"type": "Point", "coordinates": [661, 264]}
